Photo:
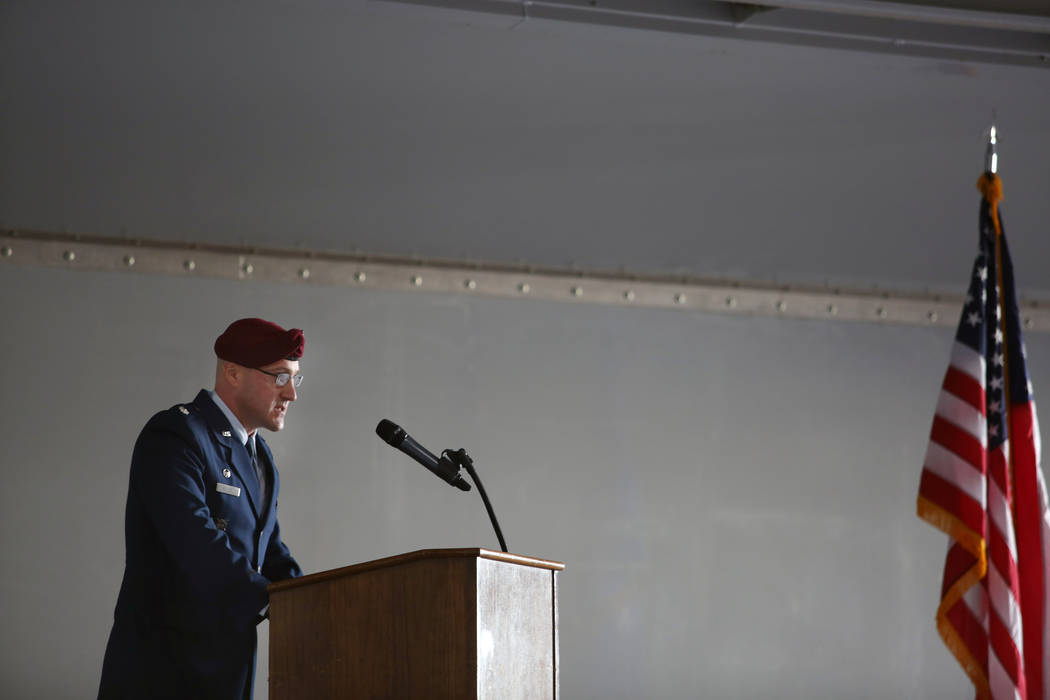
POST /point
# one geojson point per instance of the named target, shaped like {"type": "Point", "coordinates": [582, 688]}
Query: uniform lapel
{"type": "Point", "coordinates": [233, 452]}
{"type": "Point", "coordinates": [266, 462]}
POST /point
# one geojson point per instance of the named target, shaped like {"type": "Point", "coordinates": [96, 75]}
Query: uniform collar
{"type": "Point", "coordinates": [235, 424]}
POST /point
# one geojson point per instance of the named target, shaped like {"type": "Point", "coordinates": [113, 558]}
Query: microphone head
{"type": "Point", "coordinates": [391, 432]}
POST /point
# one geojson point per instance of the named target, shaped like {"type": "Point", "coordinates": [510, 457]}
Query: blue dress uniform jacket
{"type": "Point", "coordinates": [200, 551]}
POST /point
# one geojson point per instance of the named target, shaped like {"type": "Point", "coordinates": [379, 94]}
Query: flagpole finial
{"type": "Point", "coordinates": [991, 151]}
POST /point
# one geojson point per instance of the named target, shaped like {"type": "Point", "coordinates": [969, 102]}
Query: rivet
{"type": "Point", "coordinates": [360, 276]}
{"type": "Point", "coordinates": [524, 288]}
{"type": "Point", "coordinates": [881, 312]}
{"type": "Point", "coordinates": [190, 265]}
{"type": "Point", "coordinates": [931, 316]}
{"type": "Point", "coordinates": [832, 309]}
{"type": "Point", "coordinates": [679, 298]}
{"type": "Point", "coordinates": [248, 268]}
{"type": "Point", "coordinates": [470, 284]}
{"type": "Point", "coordinates": [781, 305]}
{"type": "Point", "coordinates": [417, 280]}
{"type": "Point", "coordinates": [129, 260]}
{"type": "Point", "coordinates": [304, 273]}
{"type": "Point", "coordinates": [731, 302]}
{"type": "Point", "coordinates": [628, 295]}
{"type": "Point", "coordinates": [6, 251]}
{"type": "Point", "coordinates": [577, 291]}
{"type": "Point", "coordinates": [69, 256]}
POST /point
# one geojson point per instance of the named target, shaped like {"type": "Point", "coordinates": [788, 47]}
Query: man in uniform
{"type": "Point", "coordinates": [201, 534]}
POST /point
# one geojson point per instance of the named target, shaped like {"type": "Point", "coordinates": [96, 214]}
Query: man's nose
{"type": "Point", "coordinates": [289, 393]}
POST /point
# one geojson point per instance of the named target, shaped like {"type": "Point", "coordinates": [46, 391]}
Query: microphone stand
{"type": "Point", "coordinates": [462, 459]}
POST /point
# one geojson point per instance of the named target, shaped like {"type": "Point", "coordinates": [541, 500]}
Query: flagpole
{"type": "Point", "coordinates": [991, 152]}
{"type": "Point", "coordinates": [992, 191]}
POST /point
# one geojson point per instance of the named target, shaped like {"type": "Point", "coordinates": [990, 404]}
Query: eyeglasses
{"type": "Point", "coordinates": [282, 378]}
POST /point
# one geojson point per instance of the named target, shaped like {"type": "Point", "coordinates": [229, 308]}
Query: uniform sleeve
{"type": "Point", "coordinates": [279, 563]}
{"type": "Point", "coordinates": [168, 477]}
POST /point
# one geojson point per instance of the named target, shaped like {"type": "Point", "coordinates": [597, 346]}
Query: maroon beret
{"type": "Point", "coordinates": [253, 342]}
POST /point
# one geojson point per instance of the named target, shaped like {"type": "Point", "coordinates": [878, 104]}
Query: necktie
{"type": "Point", "coordinates": [263, 490]}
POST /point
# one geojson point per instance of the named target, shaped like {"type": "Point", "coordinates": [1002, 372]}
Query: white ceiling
{"type": "Point", "coordinates": [407, 130]}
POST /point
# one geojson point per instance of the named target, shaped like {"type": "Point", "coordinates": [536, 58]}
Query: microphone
{"type": "Point", "coordinates": [445, 470]}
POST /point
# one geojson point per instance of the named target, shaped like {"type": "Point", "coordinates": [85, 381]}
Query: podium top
{"type": "Point", "coordinates": [468, 553]}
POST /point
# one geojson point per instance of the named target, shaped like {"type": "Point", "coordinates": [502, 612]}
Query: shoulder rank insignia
{"type": "Point", "coordinates": [185, 411]}
{"type": "Point", "coordinates": [227, 433]}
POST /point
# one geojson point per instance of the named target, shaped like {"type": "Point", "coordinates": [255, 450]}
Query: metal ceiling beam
{"type": "Point", "coordinates": [991, 15]}
{"type": "Point", "coordinates": [864, 25]}
{"type": "Point", "coordinates": [248, 265]}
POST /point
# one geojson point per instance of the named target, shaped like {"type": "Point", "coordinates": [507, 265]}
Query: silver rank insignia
{"type": "Point", "coordinates": [227, 433]}
{"type": "Point", "coordinates": [226, 472]}
{"type": "Point", "coordinates": [185, 411]}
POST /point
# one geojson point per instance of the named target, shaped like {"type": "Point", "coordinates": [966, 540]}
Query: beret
{"type": "Point", "coordinates": [253, 342]}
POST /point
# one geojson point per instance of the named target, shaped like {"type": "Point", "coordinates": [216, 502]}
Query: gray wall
{"type": "Point", "coordinates": [733, 497]}
{"type": "Point", "coordinates": [345, 124]}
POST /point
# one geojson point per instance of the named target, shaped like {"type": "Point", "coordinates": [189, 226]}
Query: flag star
{"type": "Point", "coordinates": [998, 336]}
{"type": "Point", "coordinates": [995, 406]}
{"type": "Point", "coordinates": [997, 359]}
{"type": "Point", "coordinates": [969, 299]}
{"type": "Point", "coordinates": [996, 383]}
{"type": "Point", "coordinates": [982, 273]}
{"type": "Point", "coordinates": [974, 318]}
{"type": "Point", "coordinates": [984, 296]}
{"type": "Point", "coordinates": [998, 313]}
{"type": "Point", "coordinates": [993, 430]}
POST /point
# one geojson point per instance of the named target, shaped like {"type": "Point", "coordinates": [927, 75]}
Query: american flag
{"type": "Point", "coordinates": [982, 485]}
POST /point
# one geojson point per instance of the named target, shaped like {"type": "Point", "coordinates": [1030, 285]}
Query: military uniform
{"type": "Point", "coordinates": [201, 548]}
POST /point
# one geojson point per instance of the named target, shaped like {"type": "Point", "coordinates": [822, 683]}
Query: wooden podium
{"type": "Point", "coordinates": [437, 623]}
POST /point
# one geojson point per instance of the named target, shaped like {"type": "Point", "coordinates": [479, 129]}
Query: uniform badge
{"type": "Point", "coordinates": [185, 411]}
{"type": "Point", "coordinates": [227, 433]}
{"type": "Point", "coordinates": [234, 491]}
{"type": "Point", "coordinates": [226, 472]}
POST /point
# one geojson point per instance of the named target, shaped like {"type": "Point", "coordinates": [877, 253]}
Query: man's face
{"type": "Point", "coordinates": [263, 403]}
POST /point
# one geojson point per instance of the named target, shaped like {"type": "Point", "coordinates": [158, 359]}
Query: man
{"type": "Point", "coordinates": [201, 534]}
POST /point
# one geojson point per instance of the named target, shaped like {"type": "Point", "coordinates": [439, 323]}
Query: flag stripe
{"type": "Point", "coordinates": [964, 416]}
{"type": "Point", "coordinates": [969, 361]}
{"type": "Point", "coordinates": [1030, 518]}
{"type": "Point", "coordinates": [958, 441]}
{"type": "Point", "coordinates": [965, 387]}
{"type": "Point", "coordinates": [970, 513]}
{"type": "Point", "coordinates": [945, 464]}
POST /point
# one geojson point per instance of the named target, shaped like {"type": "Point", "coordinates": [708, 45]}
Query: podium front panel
{"type": "Point", "coordinates": [457, 624]}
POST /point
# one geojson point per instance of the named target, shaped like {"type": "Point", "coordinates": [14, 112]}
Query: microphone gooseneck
{"type": "Point", "coordinates": [447, 467]}
{"type": "Point", "coordinates": [461, 458]}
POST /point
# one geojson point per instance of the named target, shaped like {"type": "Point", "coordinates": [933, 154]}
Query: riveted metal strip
{"type": "Point", "coordinates": [81, 252]}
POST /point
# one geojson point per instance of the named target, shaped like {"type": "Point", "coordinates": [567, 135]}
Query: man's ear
{"type": "Point", "coordinates": [232, 373]}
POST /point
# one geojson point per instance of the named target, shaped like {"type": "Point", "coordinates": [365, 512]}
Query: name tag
{"type": "Point", "coordinates": [228, 490]}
